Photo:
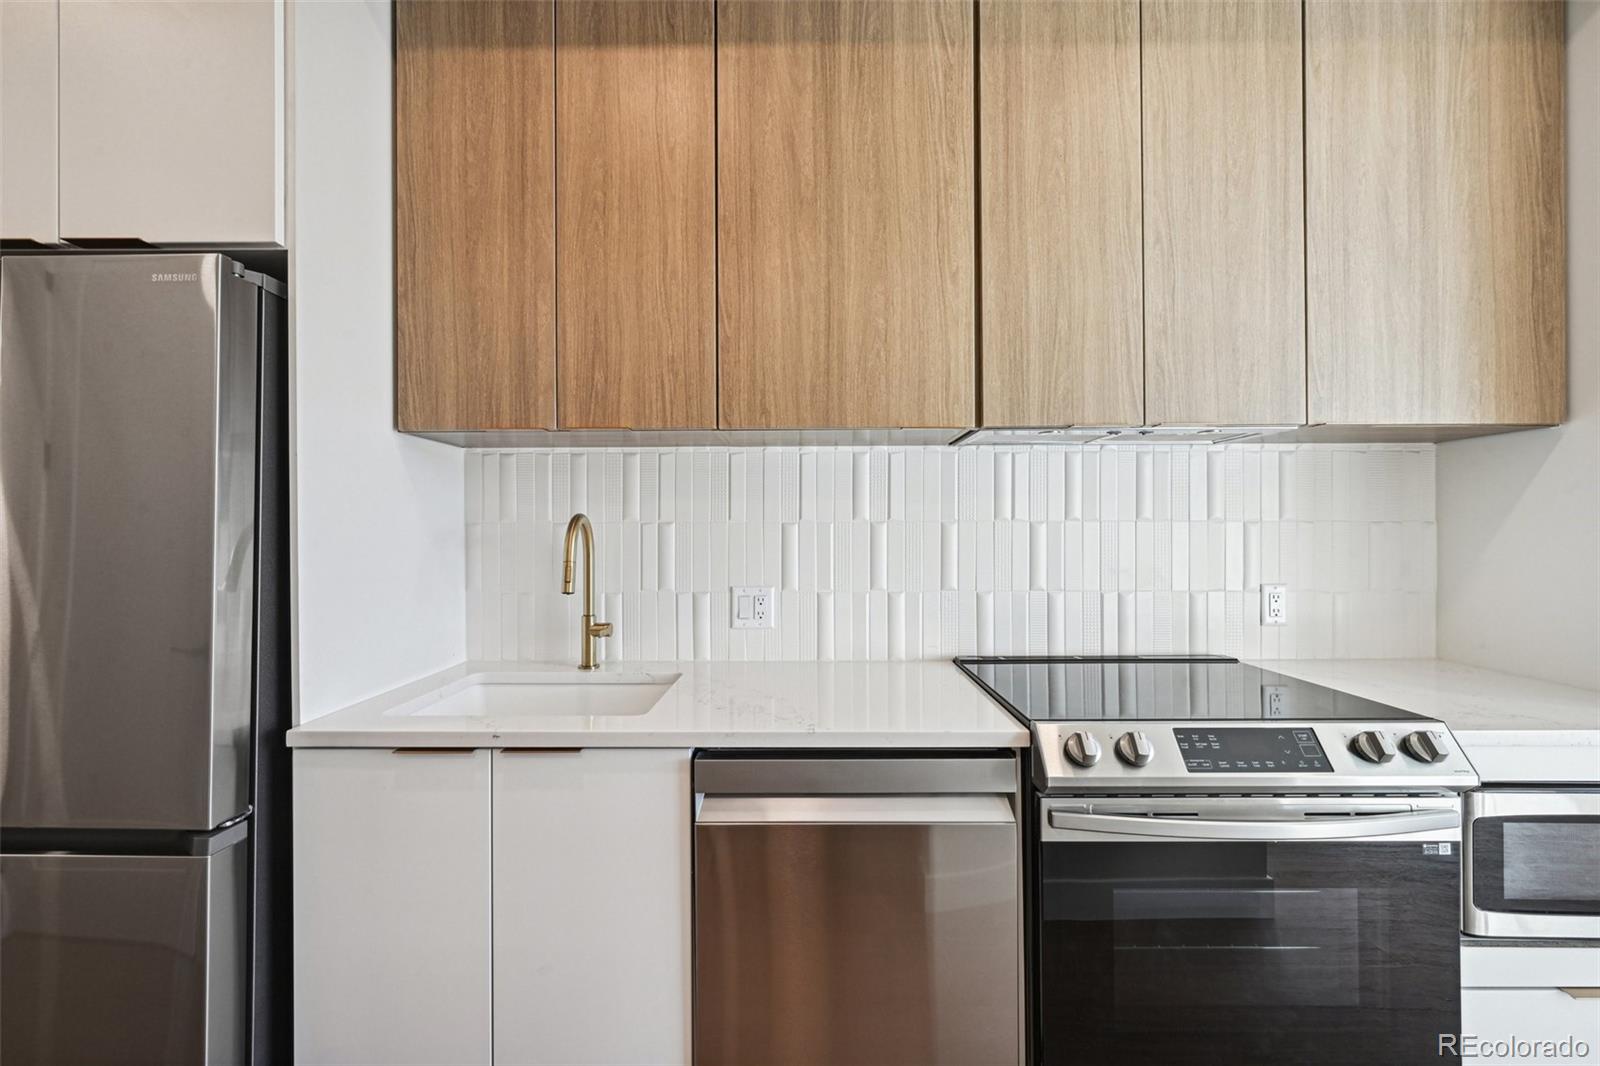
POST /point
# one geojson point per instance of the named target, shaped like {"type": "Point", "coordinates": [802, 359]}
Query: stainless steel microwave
{"type": "Point", "coordinates": [1531, 863]}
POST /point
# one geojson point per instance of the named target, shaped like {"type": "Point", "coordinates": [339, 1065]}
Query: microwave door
{"type": "Point", "coordinates": [1530, 864]}
{"type": "Point", "coordinates": [127, 463]}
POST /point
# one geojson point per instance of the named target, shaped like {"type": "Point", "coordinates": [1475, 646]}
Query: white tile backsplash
{"type": "Point", "coordinates": [904, 553]}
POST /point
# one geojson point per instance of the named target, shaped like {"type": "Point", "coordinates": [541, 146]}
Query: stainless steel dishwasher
{"type": "Point", "coordinates": [854, 909]}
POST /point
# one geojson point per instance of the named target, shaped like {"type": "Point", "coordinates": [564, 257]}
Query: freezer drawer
{"type": "Point", "coordinates": [856, 929]}
{"type": "Point", "coordinates": [123, 958]}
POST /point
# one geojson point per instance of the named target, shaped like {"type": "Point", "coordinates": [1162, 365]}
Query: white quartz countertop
{"type": "Point", "coordinates": [927, 704]}
{"type": "Point", "coordinates": [1512, 728]}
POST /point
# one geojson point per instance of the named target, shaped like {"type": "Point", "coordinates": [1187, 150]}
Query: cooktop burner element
{"type": "Point", "coordinates": [1162, 724]}
{"type": "Point", "coordinates": [1204, 687]}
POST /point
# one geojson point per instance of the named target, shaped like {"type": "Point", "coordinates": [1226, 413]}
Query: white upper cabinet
{"type": "Point", "coordinates": [171, 121]}
{"type": "Point", "coordinates": [28, 120]}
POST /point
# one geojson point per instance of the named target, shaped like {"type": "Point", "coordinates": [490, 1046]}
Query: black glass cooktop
{"type": "Point", "coordinates": [1209, 688]}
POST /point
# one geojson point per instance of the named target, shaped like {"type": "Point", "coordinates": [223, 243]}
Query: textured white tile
{"type": "Point", "coordinates": [1121, 498]}
{"type": "Point", "coordinates": [894, 578]}
{"type": "Point", "coordinates": [967, 556]}
{"type": "Point", "coordinates": [808, 486]}
{"type": "Point", "coordinates": [1003, 570]}
{"type": "Point", "coordinates": [683, 604]}
{"type": "Point", "coordinates": [1038, 555]}
{"type": "Point", "coordinates": [1233, 561]}
{"type": "Point", "coordinates": [878, 485]}
{"type": "Point", "coordinates": [791, 556]}
{"type": "Point", "coordinates": [806, 574]}
{"type": "Point", "coordinates": [844, 492]}
{"type": "Point", "coordinates": [754, 485]}
{"type": "Point", "coordinates": [789, 485]}
{"type": "Point", "coordinates": [772, 505]}
{"type": "Point", "coordinates": [861, 486]}
{"type": "Point", "coordinates": [491, 487]}
{"type": "Point", "coordinates": [878, 553]}
{"type": "Point", "coordinates": [1347, 528]}
{"type": "Point", "coordinates": [825, 486]}
{"type": "Point", "coordinates": [718, 580]}
{"type": "Point", "coordinates": [1004, 497]}
{"type": "Point", "coordinates": [935, 558]}
{"type": "Point", "coordinates": [914, 485]}
{"type": "Point", "coordinates": [827, 533]}
{"type": "Point", "coordinates": [649, 475]}
{"type": "Point", "coordinates": [983, 555]}
{"type": "Point", "coordinates": [897, 485]}
{"type": "Point", "coordinates": [667, 556]}
{"type": "Point", "coordinates": [720, 489]}
{"type": "Point", "coordinates": [1084, 502]}
{"type": "Point", "coordinates": [825, 627]}
{"type": "Point", "coordinates": [668, 490]}
{"type": "Point", "coordinates": [896, 624]}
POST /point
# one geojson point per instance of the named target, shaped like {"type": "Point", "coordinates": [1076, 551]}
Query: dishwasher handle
{"type": "Point", "coordinates": [929, 775]}
{"type": "Point", "coordinates": [854, 810]}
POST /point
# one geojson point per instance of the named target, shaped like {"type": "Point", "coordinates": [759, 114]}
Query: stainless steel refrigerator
{"type": "Point", "coordinates": [143, 661]}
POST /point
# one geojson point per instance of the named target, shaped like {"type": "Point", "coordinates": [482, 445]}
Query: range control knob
{"type": "Point", "coordinates": [1373, 746]}
{"type": "Point", "coordinates": [1426, 746]}
{"type": "Point", "coordinates": [1083, 749]}
{"type": "Point", "coordinates": [1134, 748]}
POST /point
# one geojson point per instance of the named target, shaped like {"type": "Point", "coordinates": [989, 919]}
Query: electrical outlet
{"type": "Point", "coordinates": [753, 608]}
{"type": "Point", "coordinates": [1274, 605]}
{"type": "Point", "coordinates": [1275, 701]}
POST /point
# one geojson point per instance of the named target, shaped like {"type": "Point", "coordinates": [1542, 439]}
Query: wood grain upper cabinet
{"type": "Point", "coordinates": [636, 193]}
{"type": "Point", "coordinates": [1062, 289]}
{"type": "Point", "coordinates": [28, 78]}
{"type": "Point", "coordinates": [1435, 200]}
{"type": "Point", "coordinates": [474, 215]}
{"type": "Point", "coordinates": [172, 121]}
{"type": "Point", "coordinates": [846, 213]}
{"type": "Point", "coordinates": [1224, 212]}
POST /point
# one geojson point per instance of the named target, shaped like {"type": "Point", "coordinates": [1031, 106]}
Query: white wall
{"type": "Point", "coordinates": [1519, 515]}
{"type": "Point", "coordinates": [378, 552]}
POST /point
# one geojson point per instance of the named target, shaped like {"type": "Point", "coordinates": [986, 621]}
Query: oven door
{"type": "Point", "coordinates": [1531, 857]}
{"type": "Point", "coordinates": [1241, 931]}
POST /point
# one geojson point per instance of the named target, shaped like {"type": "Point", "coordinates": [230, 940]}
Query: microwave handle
{"type": "Point", "coordinates": [1134, 825]}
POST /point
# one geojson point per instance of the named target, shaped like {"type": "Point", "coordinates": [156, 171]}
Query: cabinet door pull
{"type": "Point", "coordinates": [1583, 993]}
{"type": "Point", "coordinates": [434, 751]}
{"type": "Point", "coordinates": [541, 751]}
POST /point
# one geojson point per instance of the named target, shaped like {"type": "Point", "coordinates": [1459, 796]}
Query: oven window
{"type": "Point", "coordinates": [1536, 864]}
{"type": "Point", "coordinates": [1247, 953]}
{"type": "Point", "coordinates": [1250, 946]}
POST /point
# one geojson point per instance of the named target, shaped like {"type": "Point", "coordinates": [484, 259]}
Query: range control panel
{"type": "Point", "coordinates": [1152, 756]}
{"type": "Point", "coordinates": [1251, 751]}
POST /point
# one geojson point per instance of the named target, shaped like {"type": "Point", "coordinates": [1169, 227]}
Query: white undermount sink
{"type": "Point", "coordinates": [556, 693]}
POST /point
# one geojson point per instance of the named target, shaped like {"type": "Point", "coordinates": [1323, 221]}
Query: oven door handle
{"type": "Point", "coordinates": [1169, 828]}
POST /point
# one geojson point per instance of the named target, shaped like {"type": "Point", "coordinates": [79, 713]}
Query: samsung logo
{"type": "Point", "coordinates": [174, 277]}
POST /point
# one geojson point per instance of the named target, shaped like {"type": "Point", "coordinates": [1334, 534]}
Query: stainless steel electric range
{"type": "Point", "coordinates": [1228, 865]}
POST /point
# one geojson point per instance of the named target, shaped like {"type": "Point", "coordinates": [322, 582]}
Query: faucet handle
{"type": "Point", "coordinates": [599, 629]}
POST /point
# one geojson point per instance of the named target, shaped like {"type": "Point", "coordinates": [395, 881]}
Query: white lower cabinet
{"type": "Point", "coordinates": [514, 907]}
{"type": "Point", "coordinates": [1530, 1005]}
{"type": "Point", "coordinates": [391, 907]}
{"type": "Point", "coordinates": [591, 907]}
